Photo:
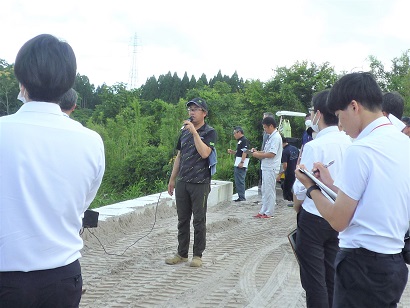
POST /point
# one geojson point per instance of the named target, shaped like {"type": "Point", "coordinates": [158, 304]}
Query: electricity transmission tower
{"type": "Point", "coordinates": [133, 72]}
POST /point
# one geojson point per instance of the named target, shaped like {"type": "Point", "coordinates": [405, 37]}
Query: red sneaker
{"type": "Point", "coordinates": [266, 216]}
{"type": "Point", "coordinates": [258, 216]}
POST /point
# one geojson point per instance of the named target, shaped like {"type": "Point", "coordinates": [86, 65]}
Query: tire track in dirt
{"type": "Point", "coordinates": [248, 262]}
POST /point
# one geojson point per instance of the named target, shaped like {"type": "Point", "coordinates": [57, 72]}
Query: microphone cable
{"type": "Point", "coordinates": [149, 232]}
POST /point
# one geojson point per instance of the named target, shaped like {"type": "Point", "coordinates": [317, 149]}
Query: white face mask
{"type": "Point", "coordinates": [315, 127]}
{"type": "Point", "coordinates": [308, 123]}
{"type": "Point", "coordinates": [21, 97]}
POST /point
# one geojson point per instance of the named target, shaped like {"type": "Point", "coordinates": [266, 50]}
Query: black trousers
{"type": "Point", "coordinates": [286, 186]}
{"type": "Point", "coordinates": [53, 288]}
{"type": "Point", "coordinates": [317, 244]}
{"type": "Point", "coordinates": [366, 279]}
{"type": "Point", "coordinates": [191, 200]}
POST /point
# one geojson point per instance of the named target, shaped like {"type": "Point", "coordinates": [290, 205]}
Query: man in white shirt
{"type": "Point", "coordinates": [316, 241]}
{"type": "Point", "coordinates": [270, 157]}
{"type": "Point", "coordinates": [372, 208]}
{"type": "Point", "coordinates": [50, 170]}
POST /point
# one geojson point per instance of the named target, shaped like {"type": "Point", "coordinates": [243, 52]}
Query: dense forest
{"type": "Point", "coordinates": [140, 127]}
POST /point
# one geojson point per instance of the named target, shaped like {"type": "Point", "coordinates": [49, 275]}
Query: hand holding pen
{"type": "Point", "coordinates": [322, 173]}
{"type": "Point", "coordinates": [325, 166]}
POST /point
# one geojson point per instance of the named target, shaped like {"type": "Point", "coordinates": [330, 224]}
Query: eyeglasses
{"type": "Point", "coordinates": [194, 109]}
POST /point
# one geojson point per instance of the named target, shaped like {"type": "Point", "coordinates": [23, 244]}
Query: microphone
{"type": "Point", "coordinates": [189, 119]}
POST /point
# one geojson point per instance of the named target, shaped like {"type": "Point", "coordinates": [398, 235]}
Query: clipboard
{"type": "Point", "coordinates": [239, 159]}
{"type": "Point", "coordinates": [330, 194]}
{"type": "Point", "coordinates": [247, 151]}
{"type": "Point", "coordinates": [292, 241]}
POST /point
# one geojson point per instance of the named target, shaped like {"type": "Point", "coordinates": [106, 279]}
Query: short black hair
{"type": "Point", "coordinates": [46, 67]}
{"type": "Point", "coordinates": [393, 103]}
{"type": "Point", "coordinates": [269, 121]}
{"type": "Point", "coordinates": [238, 129]}
{"type": "Point", "coordinates": [319, 102]}
{"type": "Point", "coordinates": [361, 87]}
{"type": "Point", "coordinates": [68, 100]}
{"type": "Point", "coordinates": [406, 120]}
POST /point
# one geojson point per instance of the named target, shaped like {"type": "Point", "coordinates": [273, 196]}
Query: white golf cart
{"type": "Point", "coordinates": [285, 129]}
{"type": "Point", "coordinates": [284, 125]}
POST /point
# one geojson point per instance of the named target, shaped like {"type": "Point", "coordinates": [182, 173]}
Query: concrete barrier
{"type": "Point", "coordinates": [221, 191]}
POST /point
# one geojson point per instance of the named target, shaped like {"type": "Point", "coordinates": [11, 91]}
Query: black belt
{"type": "Point", "coordinates": [369, 253]}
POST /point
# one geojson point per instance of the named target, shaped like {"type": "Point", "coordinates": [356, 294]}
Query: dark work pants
{"type": "Point", "coordinates": [368, 281]}
{"type": "Point", "coordinates": [286, 186]}
{"type": "Point", "coordinates": [53, 288]}
{"type": "Point", "coordinates": [191, 199]}
{"type": "Point", "coordinates": [239, 175]}
{"type": "Point", "coordinates": [316, 247]}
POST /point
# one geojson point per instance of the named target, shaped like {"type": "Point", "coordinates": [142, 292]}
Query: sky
{"type": "Point", "coordinates": [131, 41]}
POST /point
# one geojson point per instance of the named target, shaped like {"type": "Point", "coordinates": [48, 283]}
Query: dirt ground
{"type": "Point", "coordinates": [248, 262]}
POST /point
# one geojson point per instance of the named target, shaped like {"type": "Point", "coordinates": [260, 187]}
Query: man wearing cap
{"type": "Point", "coordinates": [191, 177]}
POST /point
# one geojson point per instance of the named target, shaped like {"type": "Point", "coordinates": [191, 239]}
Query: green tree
{"type": "Point", "coordinates": [9, 89]}
{"type": "Point", "coordinates": [85, 92]}
{"type": "Point", "coordinates": [165, 84]}
{"type": "Point", "coordinates": [114, 99]}
{"type": "Point", "coordinates": [399, 72]}
{"type": "Point", "coordinates": [202, 81]}
{"type": "Point", "coordinates": [192, 82]}
{"type": "Point", "coordinates": [185, 85]}
{"type": "Point", "coordinates": [150, 90]}
{"type": "Point", "coordinates": [175, 93]}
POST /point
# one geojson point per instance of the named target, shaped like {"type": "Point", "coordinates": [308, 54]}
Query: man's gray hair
{"type": "Point", "coordinates": [68, 99]}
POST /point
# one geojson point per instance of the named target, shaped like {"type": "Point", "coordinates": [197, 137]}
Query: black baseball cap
{"type": "Point", "coordinates": [200, 102]}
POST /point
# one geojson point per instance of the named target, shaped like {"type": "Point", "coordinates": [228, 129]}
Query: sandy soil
{"type": "Point", "coordinates": [248, 262]}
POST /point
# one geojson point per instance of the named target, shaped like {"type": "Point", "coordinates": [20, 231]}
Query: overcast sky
{"type": "Point", "coordinates": [250, 37]}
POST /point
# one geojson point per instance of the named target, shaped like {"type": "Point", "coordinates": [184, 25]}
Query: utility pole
{"type": "Point", "coordinates": [133, 71]}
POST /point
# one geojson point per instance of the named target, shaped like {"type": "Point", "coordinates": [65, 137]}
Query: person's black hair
{"type": "Point", "coordinates": [238, 129]}
{"type": "Point", "coordinates": [393, 103]}
{"type": "Point", "coordinates": [46, 67]}
{"type": "Point", "coordinates": [319, 102]}
{"type": "Point", "coordinates": [269, 121]}
{"type": "Point", "coordinates": [284, 139]}
{"type": "Point", "coordinates": [406, 120]}
{"type": "Point", "coordinates": [68, 99]}
{"type": "Point", "coordinates": [361, 87]}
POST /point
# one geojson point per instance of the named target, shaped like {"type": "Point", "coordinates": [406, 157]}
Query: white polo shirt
{"type": "Point", "coordinates": [329, 144]}
{"type": "Point", "coordinates": [273, 145]}
{"type": "Point", "coordinates": [376, 172]}
{"type": "Point", "coordinates": [50, 170]}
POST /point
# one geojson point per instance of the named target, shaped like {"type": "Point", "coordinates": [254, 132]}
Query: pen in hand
{"type": "Point", "coordinates": [326, 166]}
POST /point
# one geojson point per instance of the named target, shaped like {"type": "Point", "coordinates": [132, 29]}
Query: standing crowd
{"type": "Point", "coordinates": [349, 249]}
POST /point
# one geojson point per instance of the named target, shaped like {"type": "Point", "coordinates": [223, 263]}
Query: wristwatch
{"type": "Point", "coordinates": [309, 190]}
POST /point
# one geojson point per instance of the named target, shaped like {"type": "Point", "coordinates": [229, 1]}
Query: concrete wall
{"type": "Point", "coordinates": [221, 191]}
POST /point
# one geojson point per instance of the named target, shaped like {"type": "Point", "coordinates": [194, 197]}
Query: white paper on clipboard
{"type": "Point", "coordinates": [239, 159]}
{"type": "Point", "coordinates": [330, 194]}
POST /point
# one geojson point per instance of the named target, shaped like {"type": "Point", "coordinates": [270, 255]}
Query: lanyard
{"type": "Point", "coordinates": [380, 126]}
